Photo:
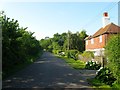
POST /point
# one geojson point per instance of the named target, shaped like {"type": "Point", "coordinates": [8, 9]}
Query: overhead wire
{"type": "Point", "coordinates": [94, 19]}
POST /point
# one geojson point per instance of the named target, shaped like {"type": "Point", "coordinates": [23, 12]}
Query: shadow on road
{"type": "Point", "coordinates": [49, 71]}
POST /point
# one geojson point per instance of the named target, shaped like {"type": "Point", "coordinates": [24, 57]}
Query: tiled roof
{"type": "Point", "coordinates": [110, 28]}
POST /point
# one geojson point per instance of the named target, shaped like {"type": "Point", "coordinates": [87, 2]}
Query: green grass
{"type": "Point", "coordinates": [116, 86]}
{"type": "Point", "coordinates": [76, 64]}
{"type": "Point", "coordinates": [98, 84]}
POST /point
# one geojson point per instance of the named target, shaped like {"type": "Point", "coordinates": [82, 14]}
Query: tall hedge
{"type": "Point", "coordinates": [18, 45]}
{"type": "Point", "coordinates": [113, 54]}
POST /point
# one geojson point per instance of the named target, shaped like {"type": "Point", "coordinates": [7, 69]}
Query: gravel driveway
{"type": "Point", "coordinates": [48, 72]}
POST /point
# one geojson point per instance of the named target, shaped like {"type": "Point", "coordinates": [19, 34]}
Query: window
{"type": "Point", "coordinates": [100, 38]}
{"type": "Point", "coordinates": [92, 41]}
{"type": "Point", "coordinates": [87, 42]}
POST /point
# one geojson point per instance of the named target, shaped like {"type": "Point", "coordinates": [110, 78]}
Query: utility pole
{"type": "Point", "coordinates": [68, 39]}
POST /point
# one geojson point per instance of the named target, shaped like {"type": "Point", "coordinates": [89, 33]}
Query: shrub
{"type": "Point", "coordinates": [59, 51]}
{"type": "Point", "coordinates": [105, 76]}
{"type": "Point", "coordinates": [54, 51]}
{"type": "Point", "coordinates": [92, 65]}
{"type": "Point", "coordinates": [62, 53]}
{"type": "Point", "coordinates": [112, 52]}
{"type": "Point", "coordinates": [87, 55]}
{"type": "Point", "coordinates": [77, 55]}
{"type": "Point", "coordinates": [72, 54]}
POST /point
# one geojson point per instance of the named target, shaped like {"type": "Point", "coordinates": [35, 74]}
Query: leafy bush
{"type": "Point", "coordinates": [50, 48]}
{"type": "Point", "coordinates": [87, 55]}
{"type": "Point", "coordinates": [116, 86]}
{"type": "Point", "coordinates": [59, 51]}
{"type": "Point", "coordinates": [77, 55]}
{"type": "Point", "coordinates": [19, 46]}
{"type": "Point", "coordinates": [113, 54]}
{"type": "Point", "coordinates": [54, 51]}
{"type": "Point", "coordinates": [105, 76]}
{"type": "Point", "coordinates": [97, 84]}
{"type": "Point", "coordinates": [92, 65]}
{"type": "Point", "coordinates": [72, 54]}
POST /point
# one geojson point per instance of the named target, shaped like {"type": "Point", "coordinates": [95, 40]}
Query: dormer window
{"type": "Point", "coordinates": [92, 41]}
{"type": "Point", "coordinates": [100, 38]}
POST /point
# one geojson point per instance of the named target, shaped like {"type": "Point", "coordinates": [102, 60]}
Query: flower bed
{"type": "Point", "coordinates": [92, 65]}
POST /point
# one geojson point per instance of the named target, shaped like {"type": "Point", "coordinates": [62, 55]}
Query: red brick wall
{"type": "Point", "coordinates": [97, 44]}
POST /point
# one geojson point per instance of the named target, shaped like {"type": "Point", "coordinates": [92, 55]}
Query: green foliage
{"type": "Point", "coordinates": [65, 41]}
{"type": "Point", "coordinates": [56, 46]}
{"type": "Point", "coordinates": [87, 55]}
{"type": "Point", "coordinates": [96, 83]}
{"type": "Point", "coordinates": [50, 48]}
{"type": "Point", "coordinates": [71, 54]}
{"type": "Point", "coordinates": [113, 54]}
{"type": "Point", "coordinates": [116, 86]}
{"type": "Point", "coordinates": [106, 76]}
{"type": "Point", "coordinates": [92, 65]}
{"type": "Point", "coordinates": [46, 43]}
{"type": "Point", "coordinates": [77, 54]}
{"type": "Point", "coordinates": [18, 45]}
{"type": "Point", "coordinates": [75, 41]}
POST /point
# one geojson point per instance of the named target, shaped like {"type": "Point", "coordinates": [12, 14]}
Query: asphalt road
{"type": "Point", "coordinates": [48, 72]}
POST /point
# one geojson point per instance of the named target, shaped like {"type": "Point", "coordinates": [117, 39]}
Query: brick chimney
{"type": "Point", "coordinates": [105, 19]}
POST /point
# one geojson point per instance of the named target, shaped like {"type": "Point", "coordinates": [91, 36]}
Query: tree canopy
{"type": "Point", "coordinates": [18, 45]}
{"type": "Point", "coordinates": [65, 41]}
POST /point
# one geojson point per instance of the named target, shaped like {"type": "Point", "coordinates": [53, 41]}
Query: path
{"type": "Point", "coordinates": [49, 71]}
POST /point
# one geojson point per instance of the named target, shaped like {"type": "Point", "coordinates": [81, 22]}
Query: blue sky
{"type": "Point", "coordinates": [48, 18]}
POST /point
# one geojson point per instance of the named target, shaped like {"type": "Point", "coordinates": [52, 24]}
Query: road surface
{"type": "Point", "coordinates": [48, 72]}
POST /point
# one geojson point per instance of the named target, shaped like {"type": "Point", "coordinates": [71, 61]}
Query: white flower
{"type": "Point", "coordinates": [99, 70]}
{"type": "Point", "coordinates": [96, 72]}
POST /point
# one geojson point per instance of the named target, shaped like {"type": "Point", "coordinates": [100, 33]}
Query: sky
{"type": "Point", "coordinates": [48, 18]}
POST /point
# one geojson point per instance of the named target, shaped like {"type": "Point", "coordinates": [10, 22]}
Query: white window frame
{"type": "Point", "coordinates": [92, 41]}
{"type": "Point", "coordinates": [100, 38]}
{"type": "Point", "coordinates": [86, 42]}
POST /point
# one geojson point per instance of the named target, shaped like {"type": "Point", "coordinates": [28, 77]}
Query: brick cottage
{"type": "Point", "coordinates": [97, 41]}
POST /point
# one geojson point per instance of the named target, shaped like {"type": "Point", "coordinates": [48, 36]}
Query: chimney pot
{"type": "Point", "coordinates": [105, 14]}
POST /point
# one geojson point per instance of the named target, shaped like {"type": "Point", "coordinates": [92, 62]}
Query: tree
{"type": "Point", "coordinates": [56, 37]}
{"type": "Point", "coordinates": [75, 41]}
{"type": "Point", "coordinates": [45, 43]}
{"type": "Point", "coordinates": [83, 35]}
{"type": "Point", "coordinates": [18, 45]}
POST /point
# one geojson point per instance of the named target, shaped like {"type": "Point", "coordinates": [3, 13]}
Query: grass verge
{"type": "Point", "coordinates": [98, 84]}
{"type": "Point", "coordinates": [76, 64]}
